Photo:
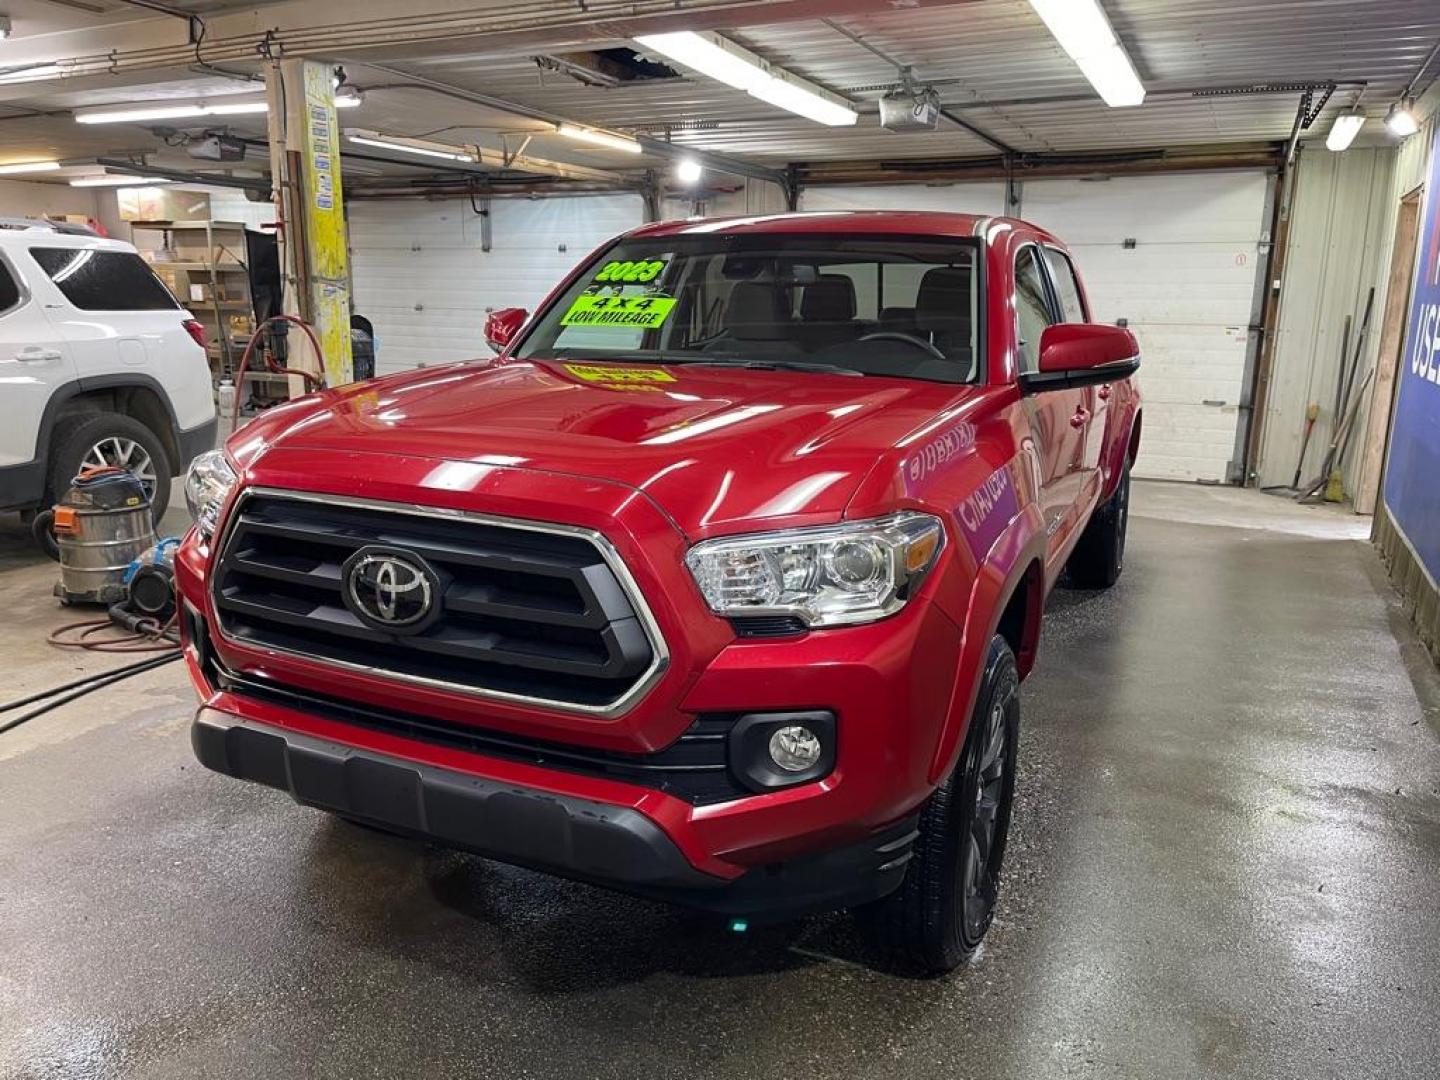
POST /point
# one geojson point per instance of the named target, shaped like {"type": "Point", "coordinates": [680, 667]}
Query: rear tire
{"type": "Point", "coordinates": [113, 439]}
{"type": "Point", "coordinates": [939, 915]}
{"type": "Point", "coordinates": [1099, 556]}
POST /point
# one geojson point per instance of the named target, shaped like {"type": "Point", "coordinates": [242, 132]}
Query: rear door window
{"type": "Point", "coordinates": [9, 289]}
{"type": "Point", "coordinates": [1067, 289]}
{"type": "Point", "coordinates": [104, 280]}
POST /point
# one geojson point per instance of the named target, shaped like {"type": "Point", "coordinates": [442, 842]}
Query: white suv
{"type": "Point", "coordinates": [99, 365]}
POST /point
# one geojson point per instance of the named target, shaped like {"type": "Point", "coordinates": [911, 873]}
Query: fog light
{"type": "Point", "coordinates": [782, 749]}
{"type": "Point", "coordinates": [794, 748]}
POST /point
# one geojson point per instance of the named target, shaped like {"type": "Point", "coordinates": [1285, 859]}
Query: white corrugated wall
{"type": "Point", "coordinates": [1342, 222]}
{"type": "Point", "coordinates": [750, 198]}
{"type": "Point", "coordinates": [421, 276]}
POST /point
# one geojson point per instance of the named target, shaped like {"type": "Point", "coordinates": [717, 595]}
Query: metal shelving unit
{"type": "Point", "coordinates": [209, 255]}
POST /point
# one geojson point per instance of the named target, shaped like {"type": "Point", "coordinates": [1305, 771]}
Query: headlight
{"type": "Point", "coordinates": [207, 485]}
{"type": "Point", "coordinates": [832, 576]}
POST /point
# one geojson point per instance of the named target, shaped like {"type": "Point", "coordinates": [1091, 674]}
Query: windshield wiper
{"type": "Point", "coordinates": [772, 365]}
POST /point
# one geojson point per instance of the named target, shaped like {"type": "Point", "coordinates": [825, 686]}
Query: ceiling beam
{"type": "Point", "coordinates": [248, 183]}
{"type": "Point", "coordinates": [1262, 155]}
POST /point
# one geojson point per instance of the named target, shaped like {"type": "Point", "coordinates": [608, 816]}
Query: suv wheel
{"type": "Point", "coordinates": [96, 439]}
{"type": "Point", "coordinates": [940, 913]}
{"type": "Point", "coordinates": [1099, 555]}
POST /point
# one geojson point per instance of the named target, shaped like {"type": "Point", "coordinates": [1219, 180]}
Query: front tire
{"type": "Point", "coordinates": [939, 915]}
{"type": "Point", "coordinates": [1099, 555]}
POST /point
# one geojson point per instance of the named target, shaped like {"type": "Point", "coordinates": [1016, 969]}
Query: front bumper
{"type": "Point", "coordinates": [553, 831]}
{"type": "Point", "coordinates": [585, 839]}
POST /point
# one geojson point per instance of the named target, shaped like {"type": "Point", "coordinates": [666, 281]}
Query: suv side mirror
{"type": "Point", "coordinates": [502, 326]}
{"type": "Point", "coordinates": [1082, 354]}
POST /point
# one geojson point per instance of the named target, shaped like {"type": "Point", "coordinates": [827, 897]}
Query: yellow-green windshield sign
{"type": "Point", "coordinates": [629, 312]}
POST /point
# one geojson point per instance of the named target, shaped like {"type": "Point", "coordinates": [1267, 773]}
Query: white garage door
{"type": "Point", "coordinates": [421, 277]}
{"type": "Point", "coordinates": [952, 198]}
{"type": "Point", "coordinates": [1185, 287]}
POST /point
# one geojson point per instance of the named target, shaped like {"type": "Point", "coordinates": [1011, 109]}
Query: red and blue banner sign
{"type": "Point", "coordinates": [1412, 478]}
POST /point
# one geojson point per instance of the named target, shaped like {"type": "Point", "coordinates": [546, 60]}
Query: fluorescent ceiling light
{"type": "Point", "coordinates": [723, 60]}
{"type": "Point", "coordinates": [599, 138]}
{"type": "Point", "coordinates": [1401, 119]}
{"type": "Point", "coordinates": [127, 114]}
{"type": "Point", "coordinates": [709, 54]}
{"type": "Point", "coordinates": [184, 110]}
{"type": "Point", "coordinates": [119, 181]}
{"type": "Point", "coordinates": [1085, 34]}
{"type": "Point", "coordinates": [790, 95]}
{"type": "Point", "coordinates": [1343, 131]}
{"type": "Point", "coordinates": [410, 146]}
{"type": "Point", "coordinates": [29, 167]}
{"type": "Point", "coordinates": [235, 108]}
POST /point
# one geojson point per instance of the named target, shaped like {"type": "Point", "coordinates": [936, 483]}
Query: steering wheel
{"type": "Point", "coordinates": [908, 339]}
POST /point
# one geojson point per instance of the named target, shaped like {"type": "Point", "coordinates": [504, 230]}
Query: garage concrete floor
{"type": "Point", "coordinates": [1226, 862]}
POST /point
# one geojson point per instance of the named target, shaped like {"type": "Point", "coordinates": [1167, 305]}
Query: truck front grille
{"type": "Point", "coordinates": [518, 610]}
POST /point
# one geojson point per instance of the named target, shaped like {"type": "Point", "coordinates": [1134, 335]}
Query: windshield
{"type": "Point", "coordinates": [857, 305]}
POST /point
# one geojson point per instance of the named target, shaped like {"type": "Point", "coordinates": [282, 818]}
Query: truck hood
{"type": "Point", "coordinates": [712, 446]}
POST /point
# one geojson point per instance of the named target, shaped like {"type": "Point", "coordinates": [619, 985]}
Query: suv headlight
{"type": "Point", "coordinates": [835, 575]}
{"type": "Point", "coordinates": [207, 486]}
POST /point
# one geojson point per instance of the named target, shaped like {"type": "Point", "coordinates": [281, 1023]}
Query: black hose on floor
{"type": "Point", "coordinates": [78, 689]}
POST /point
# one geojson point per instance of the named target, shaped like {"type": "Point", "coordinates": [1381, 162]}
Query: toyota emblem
{"type": "Point", "coordinates": [390, 590]}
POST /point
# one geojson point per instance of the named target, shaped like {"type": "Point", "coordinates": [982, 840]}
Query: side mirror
{"type": "Point", "coordinates": [1082, 354]}
{"type": "Point", "coordinates": [502, 326]}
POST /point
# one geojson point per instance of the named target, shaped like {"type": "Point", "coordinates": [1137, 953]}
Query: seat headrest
{"type": "Point", "coordinates": [755, 312]}
{"type": "Point", "coordinates": [942, 304]}
{"type": "Point", "coordinates": [831, 298]}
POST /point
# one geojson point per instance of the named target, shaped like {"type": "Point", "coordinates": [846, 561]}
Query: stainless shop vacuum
{"type": "Point", "coordinates": [101, 526]}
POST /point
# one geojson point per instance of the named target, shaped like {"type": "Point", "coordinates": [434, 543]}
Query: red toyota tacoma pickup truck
{"type": "Point", "coordinates": [716, 586]}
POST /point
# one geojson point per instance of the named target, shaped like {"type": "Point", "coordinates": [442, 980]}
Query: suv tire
{"type": "Point", "coordinates": [938, 916]}
{"type": "Point", "coordinates": [1099, 555]}
{"type": "Point", "coordinates": [113, 439]}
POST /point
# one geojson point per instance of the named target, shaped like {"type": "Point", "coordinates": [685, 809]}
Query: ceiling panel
{"type": "Point", "coordinates": [996, 66]}
{"type": "Point", "coordinates": [992, 61]}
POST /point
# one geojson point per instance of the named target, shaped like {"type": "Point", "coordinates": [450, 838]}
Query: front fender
{"type": "Point", "coordinates": [1017, 554]}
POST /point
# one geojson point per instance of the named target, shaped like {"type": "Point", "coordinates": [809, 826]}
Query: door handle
{"type": "Point", "coordinates": [1078, 420]}
{"type": "Point", "coordinates": [1104, 392]}
{"type": "Point", "coordinates": [36, 355]}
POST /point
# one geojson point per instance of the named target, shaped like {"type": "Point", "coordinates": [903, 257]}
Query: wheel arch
{"type": "Point", "coordinates": [138, 396]}
{"type": "Point", "coordinates": [1121, 452]}
{"type": "Point", "coordinates": [1020, 618]}
{"type": "Point", "coordinates": [1008, 598]}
